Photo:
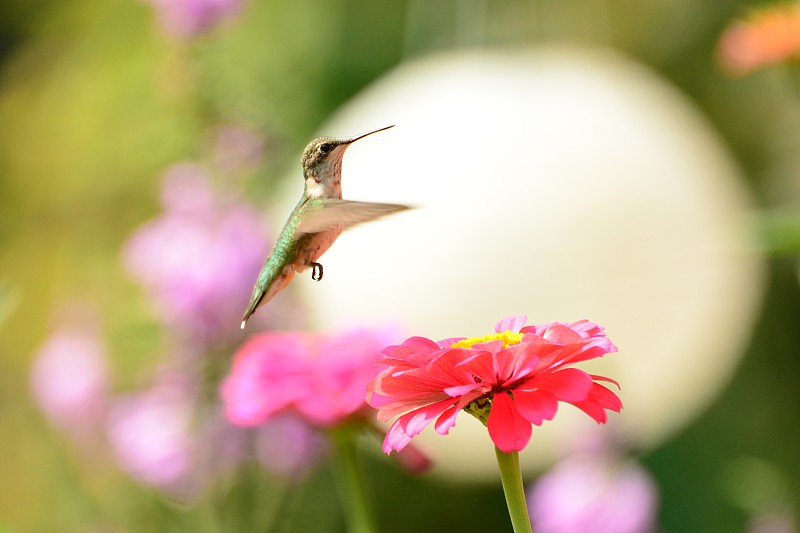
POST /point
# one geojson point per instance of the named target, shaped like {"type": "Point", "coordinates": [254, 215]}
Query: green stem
{"type": "Point", "coordinates": [350, 476]}
{"type": "Point", "coordinates": [511, 476]}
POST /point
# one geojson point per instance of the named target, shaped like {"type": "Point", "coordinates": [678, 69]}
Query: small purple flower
{"type": "Point", "coordinates": [151, 434]}
{"type": "Point", "coordinates": [197, 261]}
{"type": "Point", "coordinates": [188, 18]}
{"type": "Point", "coordinates": [69, 379]}
{"type": "Point", "coordinates": [591, 492]}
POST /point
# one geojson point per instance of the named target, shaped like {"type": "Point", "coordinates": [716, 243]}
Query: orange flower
{"type": "Point", "coordinates": [766, 36]}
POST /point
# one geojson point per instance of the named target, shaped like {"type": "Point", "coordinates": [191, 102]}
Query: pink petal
{"type": "Point", "coordinates": [511, 323]}
{"type": "Point", "coordinates": [480, 365]}
{"type": "Point", "coordinates": [587, 350]}
{"type": "Point", "coordinates": [509, 431]}
{"type": "Point", "coordinates": [536, 406]}
{"type": "Point", "coordinates": [461, 389]}
{"type": "Point", "coordinates": [608, 380]}
{"type": "Point", "coordinates": [600, 399]}
{"type": "Point", "coordinates": [514, 363]}
{"type": "Point", "coordinates": [568, 385]}
{"type": "Point", "coordinates": [447, 420]}
{"type": "Point", "coordinates": [411, 424]}
{"type": "Point", "coordinates": [396, 438]}
{"type": "Point", "coordinates": [448, 343]}
{"type": "Point", "coordinates": [488, 346]}
{"type": "Point", "coordinates": [561, 334]}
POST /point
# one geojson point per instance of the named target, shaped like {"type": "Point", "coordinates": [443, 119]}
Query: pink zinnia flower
{"type": "Point", "coordinates": [321, 377]}
{"type": "Point", "coordinates": [509, 380]}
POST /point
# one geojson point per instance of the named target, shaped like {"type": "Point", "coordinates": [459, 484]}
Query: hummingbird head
{"type": "Point", "coordinates": [322, 162]}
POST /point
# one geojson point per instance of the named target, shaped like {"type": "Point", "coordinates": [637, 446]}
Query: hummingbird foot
{"type": "Point", "coordinates": [316, 271]}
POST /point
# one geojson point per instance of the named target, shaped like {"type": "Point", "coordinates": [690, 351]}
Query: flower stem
{"type": "Point", "coordinates": [360, 518]}
{"type": "Point", "coordinates": [511, 476]}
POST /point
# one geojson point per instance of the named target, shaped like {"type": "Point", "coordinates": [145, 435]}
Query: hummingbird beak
{"type": "Point", "coordinates": [354, 139]}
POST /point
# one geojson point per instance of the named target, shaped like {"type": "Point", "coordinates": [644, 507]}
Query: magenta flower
{"type": "Point", "coordinates": [187, 18]}
{"type": "Point", "coordinates": [510, 380]}
{"type": "Point", "coordinates": [197, 260]}
{"type": "Point", "coordinates": [69, 379]}
{"type": "Point", "coordinates": [321, 377]}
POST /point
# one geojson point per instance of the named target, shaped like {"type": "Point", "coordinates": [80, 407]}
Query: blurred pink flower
{"type": "Point", "coordinates": [187, 18]}
{"type": "Point", "coordinates": [517, 375]}
{"type": "Point", "coordinates": [321, 377]}
{"type": "Point", "coordinates": [767, 35]}
{"type": "Point", "coordinates": [288, 446]}
{"type": "Point", "coordinates": [197, 261]}
{"type": "Point", "coordinates": [594, 493]}
{"type": "Point", "coordinates": [237, 148]}
{"type": "Point", "coordinates": [151, 434]}
{"type": "Point", "coordinates": [69, 379]}
{"type": "Point", "coordinates": [186, 190]}
{"type": "Point", "coordinates": [777, 521]}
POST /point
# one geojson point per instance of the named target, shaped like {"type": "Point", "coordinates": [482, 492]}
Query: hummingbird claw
{"type": "Point", "coordinates": [316, 271]}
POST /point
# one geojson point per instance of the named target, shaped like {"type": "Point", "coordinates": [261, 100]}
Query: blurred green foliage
{"type": "Point", "coordinates": [95, 102]}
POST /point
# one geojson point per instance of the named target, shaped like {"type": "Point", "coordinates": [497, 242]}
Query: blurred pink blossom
{"type": "Point", "coordinates": [320, 376]}
{"type": "Point", "coordinates": [594, 492]}
{"type": "Point", "coordinates": [237, 148]}
{"type": "Point", "coordinates": [151, 434]}
{"type": "Point", "coordinates": [288, 446]}
{"type": "Point", "coordinates": [69, 379]}
{"type": "Point", "coordinates": [779, 521]}
{"type": "Point", "coordinates": [188, 18]}
{"type": "Point", "coordinates": [198, 259]}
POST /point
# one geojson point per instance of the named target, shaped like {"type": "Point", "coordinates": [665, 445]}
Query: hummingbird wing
{"type": "Point", "coordinates": [327, 214]}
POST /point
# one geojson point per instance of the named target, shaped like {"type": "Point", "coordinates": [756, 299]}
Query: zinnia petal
{"type": "Point", "coordinates": [411, 424]}
{"type": "Point", "coordinates": [447, 420]}
{"type": "Point", "coordinates": [536, 406]}
{"type": "Point", "coordinates": [567, 385]}
{"type": "Point", "coordinates": [599, 399]}
{"type": "Point", "coordinates": [511, 323]}
{"type": "Point", "coordinates": [396, 438]}
{"type": "Point", "coordinates": [509, 431]}
{"type": "Point", "coordinates": [461, 389]}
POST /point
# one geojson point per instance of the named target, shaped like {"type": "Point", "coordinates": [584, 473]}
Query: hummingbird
{"type": "Point", "coordinates": [316, 221]}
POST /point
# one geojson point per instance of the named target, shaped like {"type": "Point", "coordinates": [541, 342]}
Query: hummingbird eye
{"type": "Point", "coordinates": [324, 148]}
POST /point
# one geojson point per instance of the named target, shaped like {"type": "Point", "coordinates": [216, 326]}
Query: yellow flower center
{"type": "Point", "coordinates": [508, 337]}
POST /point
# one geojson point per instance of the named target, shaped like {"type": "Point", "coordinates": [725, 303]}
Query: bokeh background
{"type": "Point", "coordinates": [137, 134]}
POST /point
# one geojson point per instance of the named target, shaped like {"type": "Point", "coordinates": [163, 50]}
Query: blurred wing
{"type": "Point", "coordinates": [328, 214]}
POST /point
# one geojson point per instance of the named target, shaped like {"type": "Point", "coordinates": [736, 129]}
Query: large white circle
{"type": "Point", "coordinates": [558, 183]}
